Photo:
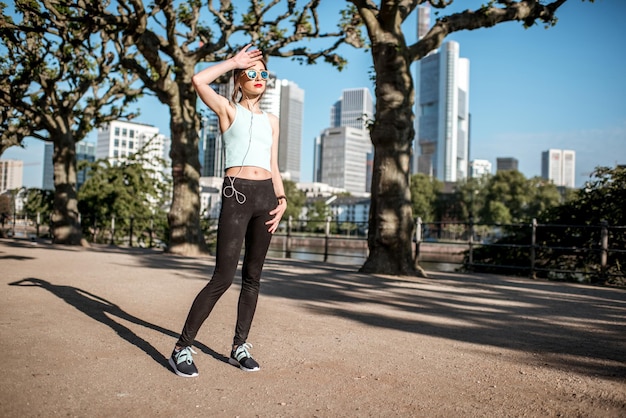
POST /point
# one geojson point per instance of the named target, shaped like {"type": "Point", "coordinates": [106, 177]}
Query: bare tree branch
{"type": "Point", "coordinates": [526, 11]}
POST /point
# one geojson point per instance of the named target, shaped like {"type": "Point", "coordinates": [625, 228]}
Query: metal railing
{"type": "Point", "coordinates": [597, 251]}
{"type": "Point", "coordinates": [548, 250]}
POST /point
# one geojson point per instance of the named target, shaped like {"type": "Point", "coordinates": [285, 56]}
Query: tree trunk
{"type": "Point", "coordinates": [391, 223]}
{"type": "Point", "coordinates": [65, 222]}
{"type": "Point", "coordinates": [186, 235]}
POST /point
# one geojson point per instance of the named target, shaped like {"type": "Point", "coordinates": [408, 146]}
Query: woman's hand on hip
{"type": "Point", "coordinates": [277, 214]}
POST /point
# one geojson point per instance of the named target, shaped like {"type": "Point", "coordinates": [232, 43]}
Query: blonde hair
{"type": "Point", "coordinates": [237, 94]}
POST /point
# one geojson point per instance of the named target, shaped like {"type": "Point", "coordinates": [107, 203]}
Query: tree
{"type": "Point", "coordinates": [39, 201]}
{"type": "Point", "coordinates": [125, 190]}
{"type": "Point", "coordinates": [171, 38]}
{"type": "Point", "coordinates": [6, 209]}
{"type": "Point", "coordinates": [392, 132]}
{"type": "Point", "coordinates": [58, 80]}
{"type": "Point", "coordinates": [544, 195]}
{"type": "Point", "coordinates": [470, 196]}
{"type": "Point", "coordinates": [603, 198]}
{"type": "Point", "coordinates": [507, 196]}
{"type": "Point", "coordinates": [317, 215]}
{"type": "Point", "coordinates": [424, 191]}
{"type": "Point", "coordinates": [296, 200]}
{"type": "Point", "coordinates": [572, 244]}
{"type": "Point", "coordinates": [511, 198]}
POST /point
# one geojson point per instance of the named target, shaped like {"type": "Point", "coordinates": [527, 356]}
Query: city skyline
{"type": "Point", "coordinates": [532, 89]}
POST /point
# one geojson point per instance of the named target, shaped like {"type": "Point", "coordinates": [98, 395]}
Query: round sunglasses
{"type": "Point", "coordinates": [251, 74]}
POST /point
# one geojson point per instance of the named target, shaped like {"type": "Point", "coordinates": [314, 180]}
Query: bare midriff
{"type": "Point", "coordinates": [249, 172]}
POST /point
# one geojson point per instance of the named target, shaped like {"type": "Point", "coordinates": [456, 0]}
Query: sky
{"type": "Point", "coordinates": [530, 89]}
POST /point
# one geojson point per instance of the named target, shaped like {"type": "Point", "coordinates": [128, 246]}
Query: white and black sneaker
{"type": "Point", "coordinates": [241, 357]}
{"type": "Point", "coordinates": [182, 362]}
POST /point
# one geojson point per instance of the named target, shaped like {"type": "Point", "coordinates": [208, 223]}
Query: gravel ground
{"type": "Point", "coordinates": [87, 332]}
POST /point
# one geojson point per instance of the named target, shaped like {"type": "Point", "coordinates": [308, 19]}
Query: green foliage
{"type": "Point", "coordinates": [317, 215]}
{"type": "Point", "coordinates": [602, 198]}
{"type": "Point", "coordinates": [508, 197]}
{"type": "Point", "coordinates": [568, 235]}
{"type": "Point", "coordinates": [543, 196]}
{"type": "Point", "coordinates": [505, 198]}
{"type": "Point", "coordinates": [125, 190]}
{"type": "Point", "coordinates": [61, 80]}
{"type": "Point", "coordinates": [63, 66]}
{"type": "Point", "coordinates": [39, 201]}
{"type": "Point", "coordinates": [424, 193]}
{"type": "Point", "coordinates": [296, 200]}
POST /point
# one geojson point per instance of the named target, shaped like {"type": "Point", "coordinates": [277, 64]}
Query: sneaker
{"type": "Point", "coordinates": [241, 357]}
{"type": "Point", "coordinates": [182, 362]}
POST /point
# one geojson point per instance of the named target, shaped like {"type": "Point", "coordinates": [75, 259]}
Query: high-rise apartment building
{"type": "Point", "coordinates": [85, 151]}
{"type": "Point", "coordinates": [118, 140]}
{"type": "Point", "coordinates": [423, 25]}
{"type": "Point", "coordinates": [442, 120]}
{"type": "Point", "coordinates": [11, 175]}
{"type": "Point", "coordinates": [354, 109]}
{"type": "Point", "coordinates": [343, 152]}
{"type": "Point", "coordinates": [291, 124]}
{"type": "Point", "coordinates": [423, 20]}
{"type": "Point", "coordinates": [317, 160]}
{"type": "Point", "coordinates": [559, 166]}
{"type": "Point", "coordinates": [506, 164]}
{"type": "Point", "coordinates": [47, 182]}
{"type": "Point", "coordinates": [344, 155]}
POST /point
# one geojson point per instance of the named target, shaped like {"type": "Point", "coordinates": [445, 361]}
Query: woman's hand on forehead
{"type": "Point", "coordinates": [247, 58]}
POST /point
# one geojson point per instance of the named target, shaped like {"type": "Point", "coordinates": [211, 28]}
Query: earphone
{"type": "Point", "coordinates": [230, 191]}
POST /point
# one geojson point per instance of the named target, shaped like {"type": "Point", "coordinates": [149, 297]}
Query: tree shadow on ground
{"type": "Point", "coordinates": [576, 327]}
{"type": "Point", "coordinates": [15, 257]}
{"type": "Point", "coordinates": [200, 267]}
{"type": "Point", "coordinates": [104, 311]}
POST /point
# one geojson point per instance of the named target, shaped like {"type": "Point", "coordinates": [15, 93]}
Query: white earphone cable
{"type": "Point", "coordinates": [230, 190]}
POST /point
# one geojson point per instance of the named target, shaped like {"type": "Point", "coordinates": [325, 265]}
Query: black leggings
{"type": "Point", "coordinates": [237, 221]}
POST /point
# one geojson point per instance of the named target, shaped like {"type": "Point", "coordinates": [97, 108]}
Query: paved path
{"type": "Point", "coordinates": [87, 332]}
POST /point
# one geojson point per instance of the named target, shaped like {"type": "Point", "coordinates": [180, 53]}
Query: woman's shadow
{"type": "Point", "coordinates": [103, 311]}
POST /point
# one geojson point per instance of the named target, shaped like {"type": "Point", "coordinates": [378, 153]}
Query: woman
{"type": "Point", "coordinates": [253, 202]}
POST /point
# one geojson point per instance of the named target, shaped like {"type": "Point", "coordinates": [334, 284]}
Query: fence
{"type": "Point", "coordinates": [23, 226]}
{"type": "Point", "coordinates": [549, 250]}
{"type": "Point", "coordinates": [580, 252]}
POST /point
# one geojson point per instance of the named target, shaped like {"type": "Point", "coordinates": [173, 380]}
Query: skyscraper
{"type": "Point", "coordinates": [423, 20]}
{"type": "Point", "coordinates": [85, 151]}
{"type": "Point", "coordinates": [354, 109]}
{"type": "Point", "coordinates": [559, 166]}
{"type": "Point", "coordinates": [47, 182]}
{"type": "Point", "coordinates": [442, 122]}
{"type": "Point", "coordinates": [423, 25]}
{"type": "Point", "coordinates": [291, 120]}
{"type": "Point", "coordinates": [343, 152]}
